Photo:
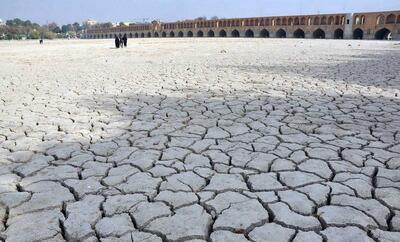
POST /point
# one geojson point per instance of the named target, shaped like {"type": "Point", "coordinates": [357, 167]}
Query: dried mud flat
{"type": "Point", "coordinates": [200, 140]}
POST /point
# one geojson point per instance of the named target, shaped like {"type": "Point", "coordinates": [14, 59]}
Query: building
{"type": "Point", "coordinates": [376, 25]}
{"type": "Point", "coordinates": [89, 22]}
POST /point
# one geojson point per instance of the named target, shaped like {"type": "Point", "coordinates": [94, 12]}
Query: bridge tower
{"type": "Point", "coordinates": [348, 26]}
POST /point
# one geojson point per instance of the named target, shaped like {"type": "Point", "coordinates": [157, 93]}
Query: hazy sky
{"type": "Point", "coordinates": [68, 11]}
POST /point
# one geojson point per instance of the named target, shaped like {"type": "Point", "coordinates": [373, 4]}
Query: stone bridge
{"type": "Point", "coordinates": [378, 25]}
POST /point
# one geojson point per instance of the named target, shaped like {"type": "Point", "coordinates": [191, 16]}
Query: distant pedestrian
{"type": "Point", "coordinates": [121, 41]}
{"type": "Point", "coordinates": [41, 41]}
{"type": "Point", "coordinates": [125, 38]}
{"type": "Point", "coordinates": [117, 43]}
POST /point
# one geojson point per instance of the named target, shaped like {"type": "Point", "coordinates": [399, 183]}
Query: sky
{"type": "Point", "coordinates": [70, 11]}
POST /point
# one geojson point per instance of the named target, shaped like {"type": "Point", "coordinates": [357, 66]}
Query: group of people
{"type": "Point", "coordinates": [121, 42]}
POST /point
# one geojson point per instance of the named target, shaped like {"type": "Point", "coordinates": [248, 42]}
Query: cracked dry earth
{"type": "Point", "coordinates": [200, 140]}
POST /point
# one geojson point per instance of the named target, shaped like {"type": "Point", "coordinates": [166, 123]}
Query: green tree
{"type": "Point", "coordinates": [27, 23]}
{"type": "Point", "coordinates": [35, 35]}
{"type": "Point", "coordinates": [71, 34]}
{"type": "Point", "coordinates": [64, 29]}
{"type": "Point", "coordinates": [56, 30]}
{"type": "Point", "coordinates": [49, 35]}
{"type": "Point", "coordinates": [77, 27]}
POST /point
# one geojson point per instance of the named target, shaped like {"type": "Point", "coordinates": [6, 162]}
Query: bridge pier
{"type": "Point", "coordinates": [348, 27]}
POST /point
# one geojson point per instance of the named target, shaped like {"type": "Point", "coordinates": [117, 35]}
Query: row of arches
{"type": "Point", "coordinates": [249, 33]}
{"type": "Point", "coordinates": [382, 34]}
{"type": "Point", "coordinates": [324, 20]}
{"type": "Point", "coordinates": [359, 20]}
{"type": "Point", "coordinates": [390, 19]}
{"type": "Point", "coordinates": [251, 22]}
{"type": "Point", "coordinates": [358, 33]}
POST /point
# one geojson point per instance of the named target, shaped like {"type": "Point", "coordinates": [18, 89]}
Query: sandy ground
{"type": "Point", "coordinates": [200, 140]}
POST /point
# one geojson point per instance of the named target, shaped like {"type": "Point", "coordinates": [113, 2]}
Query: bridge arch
{"type": "Point", "coordinates": [249, 33]}
{"type": "Point", "coordinates": [222, 33]}
{"type": "Point", "coordinates": [210, 34]}
{"type": "Point", "coordinates": [338, 34]}
{"type": "Point", "coordinates": [391, 19]}
{"type": "Point", "coordinates": [190, 34]}
{"type": "Point", "coordinates": [281, 33]}
{"type": "Point", "coordinates": [290, 22]}
{"type": "Point", "coordinates": [362, 19]}
{"type": "Point", "coordinates": [130, 35]}
{"type": "Point", "coordinates": [156, 35]}
{"type": "Point", "coordinates": [200, 33]}
{"type": "Point", "coordinates": [180, 34]}
{"type": "Point", "coordinates": [172, 34]}
{"type": "Point", "coordinates": [303, 21]}
{"type": "Point", "coordinates": [358, 34]}
{"type": "Point", "coordinates": [323, 20]}
{"type": "Point", "coordinates": [383, 34]}
{"type": "Point", "coordinates": [235, 34]}
{"type": "Point", "coordinates": [299, 33]}
{"type": "Point", "coordinates": [316, 21]}
{"type": "Point", "coordinates": [149, 35]}
{"type": "Point", "coordinates": [380, 20]}
{"type": "Point", "coordinates": [264, 33]}
{"type": "Point", "coordinates": [136, 35]}
{"type": "Point", "coordinates": [164, 34]}
{"type": "Point", "coordinates": [319, 34]}
{"type": "Point", "coordinates": [331, 20]}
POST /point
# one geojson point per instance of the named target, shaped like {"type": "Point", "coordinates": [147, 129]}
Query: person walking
{"type": "Point", "coordinates": [125, 38]}
{"type": "Point", "coordinates": [121, 41]}
{"type": "Point", "coordinates": [117, 42]}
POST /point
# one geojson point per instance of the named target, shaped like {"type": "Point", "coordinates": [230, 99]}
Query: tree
{"type": "Point", "coordinates": [214, 18]}
{"type": "Point", "coordinates": [106, 25]}
{"type": "Point", "coordinates": [71, 34]}
{"type": "Point", "coordinates": [56, 30]}
{"type": "Point", "coordinates": [64, 29]}
{"type": "Point", "coordinates": [76, 27]}
{"type": "Point", "coordinates": [49, 35]}
{"type": "Point", "coordinates": [19, 29]}
{"type": "Point", "coordinates": [201, 18]}
{"type": "Point", "coordinates": [27, 23]}
{"type": "Point", "coordinates": [14, 22]}
{"type": "Point", "coordinates": [35, 35]}
{"type": "Point", "coordinates": [53, 27]}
